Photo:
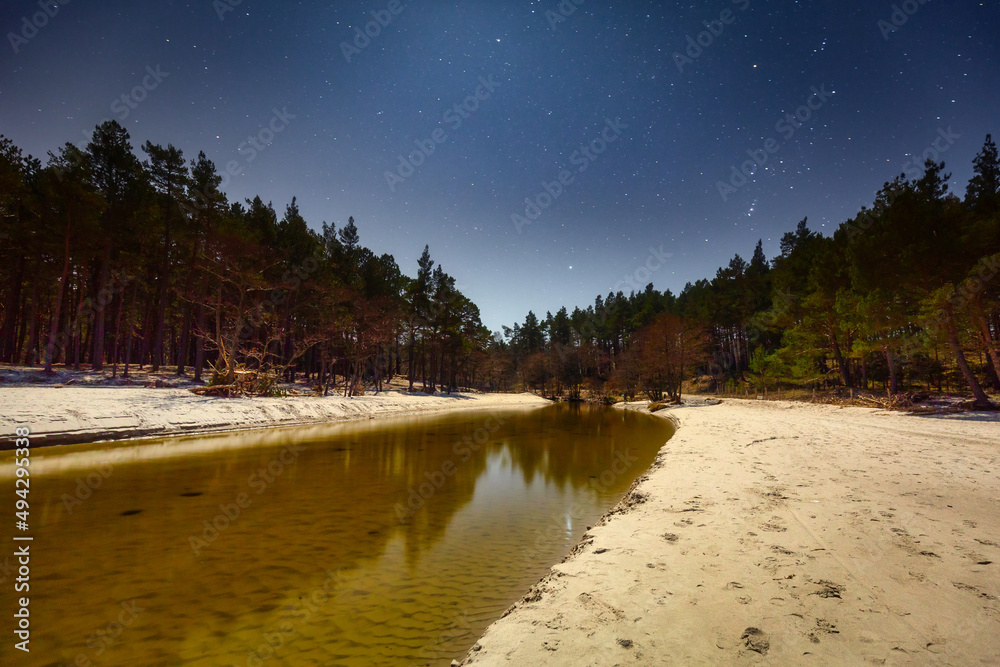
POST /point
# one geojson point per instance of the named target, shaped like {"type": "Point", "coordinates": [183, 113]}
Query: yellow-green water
{"type": "Point", "coordinates": [376, 543]}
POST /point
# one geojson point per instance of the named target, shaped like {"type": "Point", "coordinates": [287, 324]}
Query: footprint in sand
{"type": "Point", "coordinates": [828, 589]}
{"type": "Point", "coordinates": [756, 640]}
{"type": "Point", "coordinates": [599, 608]}
{"type": "Point", "coordinates": [773, 526]}
{"type": "Point", "coordinates": [823, 627]}
{"type": "Point", "coordinates": [972, 589]}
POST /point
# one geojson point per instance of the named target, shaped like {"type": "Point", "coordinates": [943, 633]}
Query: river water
{"type": "Point", "coordinates": [387, 542]}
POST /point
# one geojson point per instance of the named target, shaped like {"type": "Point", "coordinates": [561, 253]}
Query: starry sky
{"type": "Point", "coordinates": [643, 108]}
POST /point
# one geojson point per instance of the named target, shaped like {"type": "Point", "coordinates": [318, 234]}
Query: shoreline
{"type": "Point", "coordinates": [77, 415]}
{"type": "Point", "coordinates": [772, 531]}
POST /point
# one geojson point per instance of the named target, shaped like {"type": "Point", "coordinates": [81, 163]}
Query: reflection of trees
{"type": "Point", "coordinates": [577, 442]}
{"type": "Point", "coordinates": [567, 444]}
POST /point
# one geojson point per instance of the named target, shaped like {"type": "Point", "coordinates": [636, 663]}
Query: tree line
{"type": "Point", "coordinates": [114, 261]}
{"type": "Point", "coordinates": [906, 294]}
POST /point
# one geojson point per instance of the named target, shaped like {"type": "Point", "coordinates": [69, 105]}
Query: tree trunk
{"type": "Point", "coordinates": [159, 325]}
{"type": "Point", "coordinates": [845, 371]}
{"type": "Point", "coordinates": [893, 377]}
{"type": "Point", "coordinates": [423, 365]}
{"type": "Point", "coordinates": [12, 309]}
{"type": "Point", "coordinates": [991, 346]}
{"type": "Point", "coordinates": [411, 369]}
{"type": "Point", "coordinates": [199, 343]}
{"type": "Point", "coordinates": [78, 329]}
{"type": "Point", "coordinates": [184, 347]}
{"type": "Point", "coordinates": [118, 331]}
{"type": "Point", "coordinates": [29, 354]}
{"type": "Point", "coordinates": [97, 360]}
{"type": "Point", "coordinates": [57, 307]}
{"type": "Point", "coordinates": [982, 400]}
{"type": "Point", "coordinates": [161, 309]}
{"type": "Point", "coordinates": [130, 324]}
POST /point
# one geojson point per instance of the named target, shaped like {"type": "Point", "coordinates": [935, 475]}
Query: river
{"type": "Point", "coordinates": [393, 541]}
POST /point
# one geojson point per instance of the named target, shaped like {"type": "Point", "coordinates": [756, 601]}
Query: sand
{"type": "Point", "coordinates": [783, 533]}
{"type": "Point", "coordinates": [77, 414]}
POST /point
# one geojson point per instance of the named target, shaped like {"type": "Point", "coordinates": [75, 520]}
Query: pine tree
{"type": "Point", "coordinates": [117, 175]}
{"type": "Point", "coordinates": [758, 263]}
{"type": "Point", "coordinates": [983, 193]}
{"type": "Point", "coordinates": [170, 179]}
{"type": "Point", "coordinates": [349, 236]}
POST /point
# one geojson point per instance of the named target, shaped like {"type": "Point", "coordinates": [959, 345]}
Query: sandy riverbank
{"type": "Point", "coordinates": [783, 533]}
{"type": "Point", "coordinates": [75, 414]}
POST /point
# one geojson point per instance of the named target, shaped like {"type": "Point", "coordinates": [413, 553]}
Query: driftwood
{"type": "Point", "coordinates": [216, 390]}
{"type": "Point", "coordinates": [894, 402]}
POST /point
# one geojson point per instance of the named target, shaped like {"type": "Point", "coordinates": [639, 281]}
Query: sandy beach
{"type": "Point", "coordinates": [79, 414]}
{"type": "Point", "coordinates": [765, 532]}
{"type": "Point", "coordinates": [783, 533]}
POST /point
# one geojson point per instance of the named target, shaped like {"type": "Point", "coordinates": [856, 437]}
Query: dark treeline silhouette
{"type": "Point", "coordinates": [905, 294]}
{"type": "Point", "coordinates": [114, 261]}
{"type": "Point", "coordinates": [110, 261]}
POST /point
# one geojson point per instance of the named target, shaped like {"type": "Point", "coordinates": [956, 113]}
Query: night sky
{"type": "Point", "coordinates": [641, 135]}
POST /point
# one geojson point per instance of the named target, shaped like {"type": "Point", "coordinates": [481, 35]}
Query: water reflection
{"type": "Point", "coordinates": [388, 542]}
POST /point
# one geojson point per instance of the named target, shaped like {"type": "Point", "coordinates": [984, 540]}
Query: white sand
{"type": "Point", "coordinates": [65, 415]}
{"type": "Point", "coordinates": [837, 536]}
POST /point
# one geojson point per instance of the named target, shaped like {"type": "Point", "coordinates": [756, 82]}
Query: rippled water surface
{"type": "Point", "coordinates": [394, 541]}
